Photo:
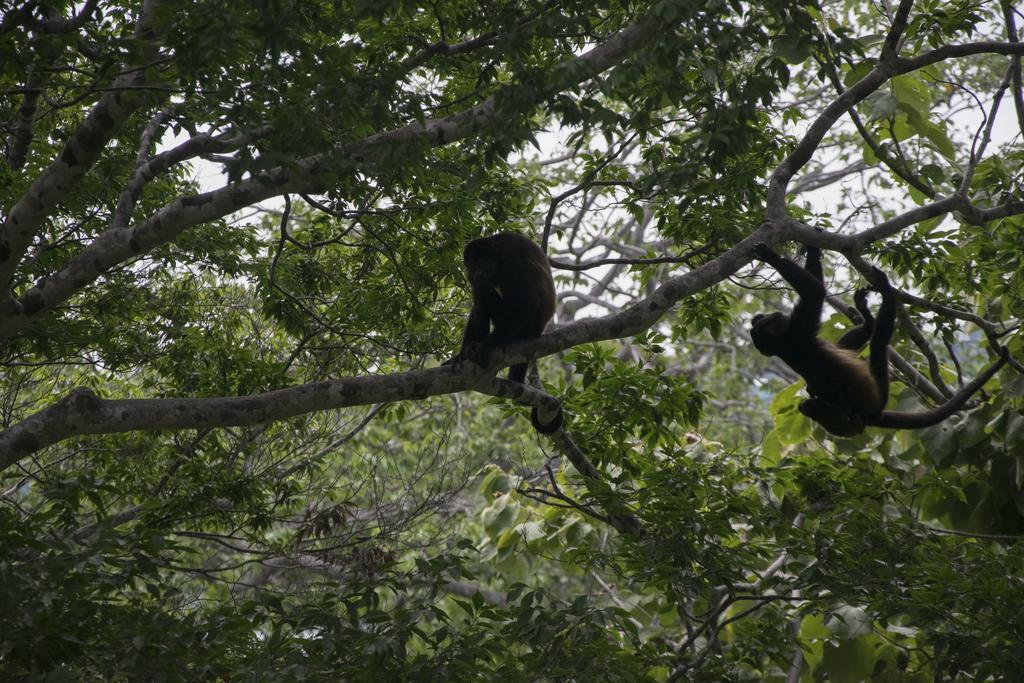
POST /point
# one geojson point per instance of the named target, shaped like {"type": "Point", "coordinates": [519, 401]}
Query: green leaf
{"type": "Point", "coordinates": [912, 92]}
{"type": "Point", "coordinates": [850, 661]}
{"type": "Point", "coordinates": [857, 72]}
{"type": "Point", "coordinates": [936, 134]}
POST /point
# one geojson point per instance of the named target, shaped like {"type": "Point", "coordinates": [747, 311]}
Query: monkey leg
{"type": "Point", "coordinates": [517, 372]}
{"type": "Point", "coordinates": [836, 418]}
{"type": "Point", "coordinates": [512, 324]}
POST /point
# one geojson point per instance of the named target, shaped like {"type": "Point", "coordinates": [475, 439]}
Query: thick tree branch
{"type": "Point", "coordinates": [61, 25]}
{"type": "Point", "coordinates": [801, 154]}
{"type": "Point", "coordinates": [940, 54]}
{"type": "Point", "coordinates": [883, 71]}
{"type": "Point", "coordinates": [147, 170]}
{"type": "Point", "coordinates": [82, 151]}
{"type": "Point", "coordinates": [894, 164]}
{"type": "Point", "coordinates": [118, 245]}
{"type": "Point", "coordinates": [891, 46]}
{"type": "Point", "coordinates": [84, 413]}
{"type": "Point", "coordinates": [24, 129]}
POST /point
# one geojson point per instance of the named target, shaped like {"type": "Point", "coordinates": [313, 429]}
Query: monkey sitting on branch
{"type": "Point", "coordinates": [513, 291]}
{"type": "Point", "coordinates": [847, 393]}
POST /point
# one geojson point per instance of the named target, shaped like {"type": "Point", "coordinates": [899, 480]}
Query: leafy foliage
{"type": "Point", "coordinates": [220, 199]}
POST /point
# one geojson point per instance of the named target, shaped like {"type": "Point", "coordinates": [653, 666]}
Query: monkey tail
{"type": "Point", "coordinates": [894, 419]}
{"type": "Point", "coordinates": [549, 428]}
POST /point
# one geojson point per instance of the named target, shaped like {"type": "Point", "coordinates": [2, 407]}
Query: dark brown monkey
{"type": "Point", "coordinates": [513, 300]}
{"type": "Point", "coordinates": [847, 394]}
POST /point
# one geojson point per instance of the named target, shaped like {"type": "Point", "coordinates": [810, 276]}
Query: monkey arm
{"type": "Point", "coordinates": [892, 419]}
{"type": "Point", "coordinates": [806, 315]}
{"type": "Point", "coordinates": [478, 326]}
{"type": "Point", "coordinates": [812, 264]}
{"type": "Point", "coordinates": [808, 284]}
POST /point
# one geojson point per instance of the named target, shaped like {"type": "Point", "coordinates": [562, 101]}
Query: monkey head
{"type": "Point", "coordinates": [768, 332]}
{"type": "Point", "coordinates": [481, 261]}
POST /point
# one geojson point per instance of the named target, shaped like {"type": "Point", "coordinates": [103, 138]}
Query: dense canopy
{"type": "Point", "coordinates": [231, 240]}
